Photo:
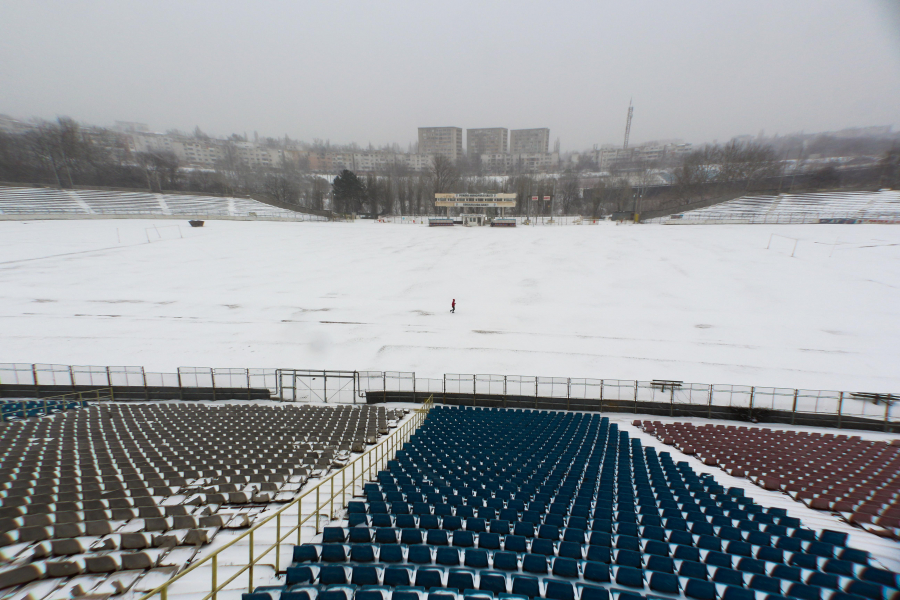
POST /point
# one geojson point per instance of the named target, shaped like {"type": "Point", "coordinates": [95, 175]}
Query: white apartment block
{"type": "Point", "coordinates": [529, 141]}
{"type": "Point", "coordinates": [443, 141]}
{"type": "Point", "coordinates": [522, 162]}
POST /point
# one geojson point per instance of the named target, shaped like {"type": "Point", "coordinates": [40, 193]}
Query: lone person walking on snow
{"type": "Point", "coordinates": [453, 306]}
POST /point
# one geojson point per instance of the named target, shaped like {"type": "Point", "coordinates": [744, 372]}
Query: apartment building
{"type": "Point", "coordinates": [523, 162]}
{"type": "Point", "coordinates": [529, 141]}
{"type": "Point", "coordinates": [442, 141]}
{"type": "Point", "coordinates": [493, 140]}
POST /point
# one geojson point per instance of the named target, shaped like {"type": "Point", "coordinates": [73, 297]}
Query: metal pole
{"type": "Point", "coordinates": [180, 387]}
{"type": "Point", "coordinates": [840, 409]}
{"type": "Point", "coordinates": [250, 575]}
{"type": "Point", "coordinates": [672, 401]}
{"type": "Point", "coordinates": [144, 377]}
{"type": "Point", "coordinates": [635, 395]}
{"type": "Point", "coordinates": [212, 376]}
{"type": "Point", "coordinates": [249, 394]}
{"type": "Point", "coordinates": [794, 407]}
{"type": "Point", "coordinates": [317, 507]}
{"type": "Point", "coordinates": [277, 544]}
{"type": "Point", "coordinates": [887, 413]}
{"type": "Point", "coordinates": [601, 395]}
{"type": "Point", "coordinates": [709, 404]}
{"type": "Point", "coordinates": [215, 574]}
{"type": "Point", "coordinates": [414, 386]}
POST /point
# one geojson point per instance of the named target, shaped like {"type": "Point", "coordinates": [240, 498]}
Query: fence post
{"type": "Point", "coordinates": [72, 377]}
{"type": "Point", "coordinates": [887, 413]}
{"type": "Point", "coordinates": [840, 409]}
{"type": "Point", "coordinates": [635, 395]}
{"type": "Point", "coordinates": [474, 383]}
{"type": "Point", "coordinates": [37, 388]}
{"type": "Point", "coordinates": [504, 392]}
{"type": "Point", "coordinates": [445, 388]}
{"type": "Point", "coordinates": [601, 396]}
{"type": "Point", "coordinates": [278, 543]}
{"type": "Point", "coordinates": [709, 403]}
{"type": "Point", "coordinates": [672, 401]}
{"type": "Point", "coordinates": [568, 393]}
{"type": "Point", "coordinates": [414, 386]}
{"type": "Point", "coordinates": [249, 395]}
{"type": "Point", "coordinates": [250, 574]}
{"type": "Point", "coordinates": [144, 378]}
{"type": "Point", "coordinates": [794, 407]}
{"type": "Point", "coordinates": [212, 377]}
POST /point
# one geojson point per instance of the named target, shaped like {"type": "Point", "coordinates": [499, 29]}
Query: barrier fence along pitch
{"type": "Point", "coordinates": [524, 391]}
{"type": "Point", "coordinates": [369, 464]}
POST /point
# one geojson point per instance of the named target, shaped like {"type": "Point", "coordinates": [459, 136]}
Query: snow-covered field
{"type": "Point", "coordinates": [699, 304]}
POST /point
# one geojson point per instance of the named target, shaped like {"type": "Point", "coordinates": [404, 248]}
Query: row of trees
{"type": "Point", "coordinates": [64, 154]}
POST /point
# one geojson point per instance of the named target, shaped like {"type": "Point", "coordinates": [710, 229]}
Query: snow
{"type": "Point", "coordinates": [886, 551]}
{"type": "Point", "coordinates": [698, 304]}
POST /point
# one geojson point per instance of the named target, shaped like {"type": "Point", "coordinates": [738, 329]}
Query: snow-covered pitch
{"type": "Point", "coordinates": [810, 306]}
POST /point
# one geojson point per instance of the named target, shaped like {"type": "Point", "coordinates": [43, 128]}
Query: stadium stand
{"type": "Point", "coordinates": [117, 487]}
{"type": "Point", "coordinates": [11, 410]}
{"type": "Point", "coordinates": [513, 504]}
{"type": "Point", "coordinates": [31, 201]}
{"type": "Point", "coordinates": [844, 474]}
{"type": "Point", "coordinates": [881, 206]}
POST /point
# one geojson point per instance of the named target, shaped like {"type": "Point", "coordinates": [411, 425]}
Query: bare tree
{"type": "Point", "coordinates": [282, 188]}
{"type": "Point", "coordinates": [443, 174]}
{"type": "Point", "coordinates": [161, 167]}
{"type": "Point", "coordinates": [569, 191]}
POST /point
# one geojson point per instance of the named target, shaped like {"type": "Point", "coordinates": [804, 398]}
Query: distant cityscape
{"type": "Point", "coordinates": [491, 151]}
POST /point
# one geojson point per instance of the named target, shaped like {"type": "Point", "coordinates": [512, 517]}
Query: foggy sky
{"type": "Point", "coordinates": [375, 71]}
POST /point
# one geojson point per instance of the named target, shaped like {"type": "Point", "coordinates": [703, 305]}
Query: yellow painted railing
{"type": "Point", "coordinates": [361, 469]}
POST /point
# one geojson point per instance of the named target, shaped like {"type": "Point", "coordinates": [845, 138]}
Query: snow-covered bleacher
{"type": "Point", "coordinates": [828, 207]}
{"type": "Point", "coordinates": [49, 202]}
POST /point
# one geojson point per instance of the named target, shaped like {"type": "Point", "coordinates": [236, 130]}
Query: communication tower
{"type": "Point", "coordinates": [628, 123]}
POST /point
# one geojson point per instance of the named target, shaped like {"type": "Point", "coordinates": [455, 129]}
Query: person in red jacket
{"type": "Point", "coordinates": [453, 306]}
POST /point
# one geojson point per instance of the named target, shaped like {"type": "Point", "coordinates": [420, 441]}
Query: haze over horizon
{"type": "Point", "coordinates": [373, 73]}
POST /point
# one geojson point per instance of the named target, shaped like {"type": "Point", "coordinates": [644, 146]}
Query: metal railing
{"type": "Point", "coordinates": [788, 405]}
{"type": "Point", "coordinates": [369, 463]}
{"type": "Point", "coordinates": [845, 409]}
{"type": "Point", "coordinates": [758, 218]}
{"type": "Point", "coordinates": [23, 409]}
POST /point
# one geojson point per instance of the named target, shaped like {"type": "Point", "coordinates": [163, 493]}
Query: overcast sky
{"type": "Point", "coordinates": [375, 71]}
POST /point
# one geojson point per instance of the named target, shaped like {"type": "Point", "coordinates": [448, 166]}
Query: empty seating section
{"type": "Point", "coordinates": [495, 503]}
{"type": "Point", "coordinates": [884, 204]}
{"type": "Point", "coordinates": [845, 474]}
{"type": "Point", "coordinates": [11, 410]}
{"type": "Point", "coordinates": [86, 491]}
{"type": "Point", "coordinates": [86, 202]}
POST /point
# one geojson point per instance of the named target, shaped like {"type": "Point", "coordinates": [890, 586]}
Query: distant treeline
{"type": "Point", "coordinates": [61, 153]}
